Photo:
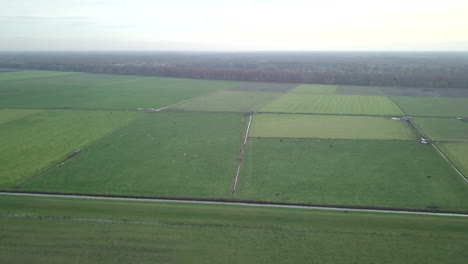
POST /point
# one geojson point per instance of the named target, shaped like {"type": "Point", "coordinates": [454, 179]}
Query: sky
{"type": "Point", "coordinates": [241, 25]}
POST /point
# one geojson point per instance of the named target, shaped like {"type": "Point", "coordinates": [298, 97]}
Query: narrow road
{"type": "Point", "coordinates": [271, 205]}
{"type": "Point", "coordinates": [241, 157]}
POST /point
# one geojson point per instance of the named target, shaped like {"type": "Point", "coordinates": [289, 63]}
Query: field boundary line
{"type": "Point", "coordinates": [241, 156]}
{"type": "Point", "coordinates": [186, 101]}
{"type": "Point", "coordinates": [226, 202]}
{"type": "Point", "coordinates": [465, 179]}
{"type": "Point", "coordinates": [336, 139]}
{"type": "Point", "coordinates": [72, 155]}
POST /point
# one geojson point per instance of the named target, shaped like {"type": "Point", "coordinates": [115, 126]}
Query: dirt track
{"type": "Point", "coordinates": [342, 209]}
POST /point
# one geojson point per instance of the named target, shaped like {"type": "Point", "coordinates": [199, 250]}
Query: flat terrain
{"type": "Point", "coordinates": [433, 106]}
{"type": "Point", "coordinates": [21, 75]}
{"type": "Point", "coordinates": [96, 231]}
{"type": "Point", "coordinates": [449, 129]}
{"type": "Point", "coordinates": [398, 174]}
{"type": "Point", "coordinates": [328, 126]}
{"type": "Point", "coordinates": [9, 115]}
{"type": "Point", "coordinates": [359, 90]}
{"type": "Point", "coordinates": [37, 141]}
{"type": "Point", "coordinates": [332, 104]}
{"type": "Point", "coordinates": [101, 91]}
{"type": "Point", "coordinates": [264, 87]}
{"type": "Point", "coordinates": [458, 153]}
{"type": "Point", "coordinates": [233, 101]}
{"type": "Point", "coordinates": [163, 154]}
{"type": "Point", "coordinates": [315, 89]}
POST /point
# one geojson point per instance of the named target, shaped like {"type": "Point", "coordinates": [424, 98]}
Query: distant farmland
{"type": "Point", "coordinates": [346, 147]}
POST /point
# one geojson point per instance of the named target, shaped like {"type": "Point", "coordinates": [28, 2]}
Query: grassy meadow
{"type": "Point", "coordinates": [54, 230]}
{"type": "Point", "coordinates": [328, 126]}
{"type": "Point", "coordinates": [332, 104]}
{"type": "Point", "coordinates": [382, 174]}
{"type": "Point", "coordinates": [163, 154]}
{"type": "Point", "coordinates": [433, 106]}
{"type": "Point", "coordinates": [443, 129]}
{"type": "Point", "coordinates": [37, 141]}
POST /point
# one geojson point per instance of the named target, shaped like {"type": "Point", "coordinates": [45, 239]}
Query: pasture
{"type": "Point", "coordinates": [315, 89]}
{"type": "Point", "coordinates": [457, 153]}
{"type": "Point", "coordinates": [443, 129]}
{"type": "Point", "coordinates": [230, 101]}
{"type": "Point", "coordinates": [332, 104]}
{"type": "Point", "coordinates": [264, 87]}
{"type": "Point", "coordinates": [377, 174]}
{"type": "Point", "coordinates": [101, 91]}
{"type": "Point", "coordinates": [97, 231]}
{"type": "Point", "coordinates": [9, 115]}
{"type": "Point", "coordinates": [328, 126]}
{"type": "Point", "coordinates": [21, 75]}
{"type": "Point", "coordinates": [37, 141]}
{"type": "Point", "coordinates": [163, 154]}
{"type": "Point", "coordinates": [433, 106]}
{"type": "Point", "coordinates": [359, 90]}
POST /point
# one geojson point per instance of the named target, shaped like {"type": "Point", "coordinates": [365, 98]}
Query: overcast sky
{"type": "Point", "coordinates": [233, 25]}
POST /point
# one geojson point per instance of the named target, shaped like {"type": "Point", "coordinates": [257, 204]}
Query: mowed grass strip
{"type": "Point", "coordinates": [164, 154]}
{"type": "Point", "coordinates": [315, 89]}
{"type": "Point", "coordinates": [332, 104]}
{"type": "Point", "coordinates": [375, 174]}
{"type": "Point", "coordinates": [433, 106]}
{"type": "Point", "coordinates": [38, 141]}
{"type": "Point", "coordinates": [234, 101]}
{"type": "Point", "coordinates": [328, 126]}
{"type": "Point", "coordinates": [21, 75]}
{"type": "Point", "coordinates": [449, 129]}
{"type": "Point", "coordinates": [103, 91]}
{"type": "Point", "coordinates": [93, 231]}
{"type": "Point", "coordinates": [8, 115]}
{"type": "Point", "coordinates": [457, 153]}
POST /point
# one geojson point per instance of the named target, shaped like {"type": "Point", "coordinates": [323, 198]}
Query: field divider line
{"type": "Point", "coordinates": [465, 179]}
{"type": "Point", "coordinates": [227, 202]}
{"type": "Point", "coordinates": [186, 101]}
{"type": "Point", "coordinates": [440, 152]}
{"type": "Point", "coordinates": [241, 156]}
{"type": "Point", "coordinates": [336, 139]}
{"type": "Point", "coordinates": [72, 155]}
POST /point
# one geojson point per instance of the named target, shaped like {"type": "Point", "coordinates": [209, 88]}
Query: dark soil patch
{"type": "Point", "coordinates": [428, 92]}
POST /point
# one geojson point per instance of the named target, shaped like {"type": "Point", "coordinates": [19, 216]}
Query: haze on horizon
{"type": "Point", "coordinates": [243, 25]}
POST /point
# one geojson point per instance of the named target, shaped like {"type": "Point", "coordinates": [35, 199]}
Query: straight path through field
{"type": "Point", "coordinates": [251, 204]}
{"type": "Point", "coordinates": [432, 144]}
{"type": "Point", "coordinates": [241, 157]}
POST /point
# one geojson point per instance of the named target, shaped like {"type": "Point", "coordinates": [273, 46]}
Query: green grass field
{"type": "Point", "coordinates": [457, 153]}
{"type": "Point", "coordinates": [21, 75]}
{"type": "Point", "coordinates": [315, 89]}
{"type": "Point", "coordinates": [397, 174]}
{"type": "Point", "coordinates": [328, 126]}
{"type": "Point", "coordinates": [101, 91]}
{"type": "Point", "coordinates": [433, 106]}
{"type": "Point", "coordinates": [54, 230]}
{"type": "Point", "coordinates": [333, 104]}
{"type": "Point", "coordinates": [230, 101]}
{"type": "Point", "coordinates": [37, 141]}
{"type": "Point", "coordinates": [163, 154]}
{"type": "Point", "coordinates": [9, 115]}
{"type": "Point", "coordinates": [440, 129]}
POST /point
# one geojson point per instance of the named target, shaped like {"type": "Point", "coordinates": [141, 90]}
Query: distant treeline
{"type": "Point", "coordinates": [441, 70]}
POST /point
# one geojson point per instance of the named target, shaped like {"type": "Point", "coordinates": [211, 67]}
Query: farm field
{"type": "Point", "coordinates": [233, 101]}
{"type": "Point", "coordinates": [315, 89]}
{"type": "Point", "coordinates": [328, 126]}
{"type": "Point", "coordinates": [8, 115]}
{"type": "Point", "coordinates": [433, 106]}
{"type": "Point", "coordinates": [378, 174]}
{"type": "Point", "coordinates": [93, 231]}
{"type": "Point", "coordinates": [443, 129]}
{"type": "Point", "coordinates": [332, 104]}
{"type": "Point", "coordinates": [163, 154]}
{"type": "Point", "coordinates": [264, 87]}
{"type": "Point", "coordinates": [359, 90]}
{"type": "Point", "coordinates": [101, 91]}
{"type": "Point", "coordinates": [39, 140]}
{"type": "Point", "coordinates": [458, 153]}
{"type": "Point", "coordinates": [21, 75]}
